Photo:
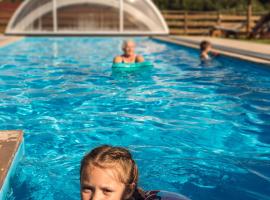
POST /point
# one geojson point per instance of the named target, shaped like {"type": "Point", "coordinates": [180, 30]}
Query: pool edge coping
{"type": "Point", "coordinates": [217, 48]}
{"type": "Point", "coordinates": [12, 163]}
{"type": "Point", "coordinates": [9, 40]}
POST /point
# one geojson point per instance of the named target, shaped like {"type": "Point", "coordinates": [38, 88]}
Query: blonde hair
{"type": "Point", "coordinates": [117, 158]}
{"type": "Point", "coordinates": [126, 42]}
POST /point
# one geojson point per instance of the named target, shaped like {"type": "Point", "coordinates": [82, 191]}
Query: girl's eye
{"type": "Point", "coordinates": [107, 191]}
{"type": "Point", "coordinates": [87, 190]}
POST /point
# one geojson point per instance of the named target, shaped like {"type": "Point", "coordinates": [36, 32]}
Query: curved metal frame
{"type": "Point", "coordinates": [53, 6]}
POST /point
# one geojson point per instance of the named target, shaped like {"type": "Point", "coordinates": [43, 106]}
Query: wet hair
{"type": "Point", "coordinates": [204, 44]}
{"type": "Point", "coordinates": [117, 158]}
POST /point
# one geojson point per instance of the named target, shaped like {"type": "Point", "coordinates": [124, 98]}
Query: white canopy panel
{"type": "Point", "coordinates": [98, 17]}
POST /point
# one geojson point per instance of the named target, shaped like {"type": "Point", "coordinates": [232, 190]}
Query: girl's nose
{"type": "Point", "coordinates": [97, 196]}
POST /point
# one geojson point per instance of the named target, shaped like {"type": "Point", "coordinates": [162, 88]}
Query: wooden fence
{"type": "Point", "coordinates": [6, 12]}
{"type": "Point", "coordinates": [179, 22]}
{"type": "Point", "coordinates": [200, 23]}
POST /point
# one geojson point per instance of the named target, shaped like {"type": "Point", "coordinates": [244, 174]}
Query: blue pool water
{"type": "Point", "coordinates": [202, 130]}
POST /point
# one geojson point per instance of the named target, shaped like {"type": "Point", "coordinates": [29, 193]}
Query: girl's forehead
{"type": "Point", "coordinates": [101, 178]}
{"type": "Point", "coordinates": [112, 172]}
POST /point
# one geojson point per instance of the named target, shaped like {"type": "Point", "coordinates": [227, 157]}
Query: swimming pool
{"type": "Point", "coordinates": [197, 129]}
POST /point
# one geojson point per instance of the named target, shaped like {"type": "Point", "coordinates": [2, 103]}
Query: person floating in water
{"type": "Point", "coordinates": [206, 51]}
{"type": "Point", "coordinates": [110, 173]}
{"type": "Point", "coordinates": [129, 55]}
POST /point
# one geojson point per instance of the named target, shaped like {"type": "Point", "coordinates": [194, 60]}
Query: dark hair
{"type": "Point", "coordinates": [204, 44]}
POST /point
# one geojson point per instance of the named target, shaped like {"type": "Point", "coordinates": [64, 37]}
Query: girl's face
{"type": "Point", "coordinates": [101, 184]}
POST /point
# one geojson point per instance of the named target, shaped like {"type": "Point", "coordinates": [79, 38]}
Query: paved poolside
{"type": "Point", "coordinates": [250, 51]}
{"type": "Point", "coordinates": [5, 40]}
{"type": "Point", "coordinates": [9, 144]}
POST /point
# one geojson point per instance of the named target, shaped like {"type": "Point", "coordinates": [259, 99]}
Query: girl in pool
{"type": "Point", "coordinates": [206, 51]}
{"type": "Point", "coordinates": [109, 173]}
{"type": "Point", "coordinates": [129, 55]}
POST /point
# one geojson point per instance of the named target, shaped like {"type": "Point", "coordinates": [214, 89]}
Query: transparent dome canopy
{"type": "Point", "coordinates": [98, 17]}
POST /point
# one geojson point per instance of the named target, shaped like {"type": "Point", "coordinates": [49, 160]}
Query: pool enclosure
{"type": "Point", "coordinates": [97, 17]}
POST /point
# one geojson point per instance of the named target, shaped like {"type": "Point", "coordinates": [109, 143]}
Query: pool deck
{"type": "Point", "coordinates": [250, 51]}
{"type": "Point", "coordinates": [5, 40]}
{"type": "Point", "coordinates": [9, 144]}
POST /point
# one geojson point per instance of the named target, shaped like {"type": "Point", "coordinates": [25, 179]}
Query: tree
{"type": "Point", "coordinates": [207, 5]}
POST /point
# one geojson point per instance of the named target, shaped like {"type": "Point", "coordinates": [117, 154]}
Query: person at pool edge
{"type": "Point", "coordinates": [206, 51]}
{"type": "Point", "coordinates": [109, 173]}
{"type": "Point", "coordinates": [128, 55]}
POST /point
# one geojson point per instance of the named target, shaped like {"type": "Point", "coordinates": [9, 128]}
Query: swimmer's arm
{"type": "Point", "coordinates": [139, 59]}
{"type": "Point", "coordinates": [117, 59]}
{"type": "Point", "coordinates": [204, 56]}
{"type": "Point", "coordinates": [214, 53]}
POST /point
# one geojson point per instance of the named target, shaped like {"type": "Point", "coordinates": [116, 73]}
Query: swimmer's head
{"type": "Point", "coordinates": [108, 173]}
{"type": "Point", "coordinates": [205, 45]}
{"type": "Point", "coordinates": [128, 47]}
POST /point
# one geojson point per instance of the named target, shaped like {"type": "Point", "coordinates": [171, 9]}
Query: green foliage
{"type": "Point", "coordinates": [212, 5]}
